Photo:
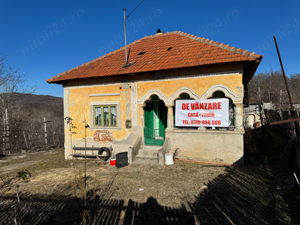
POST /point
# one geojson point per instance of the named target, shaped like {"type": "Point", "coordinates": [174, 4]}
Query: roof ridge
{"type": "Point", "coordinates": [217, 44]}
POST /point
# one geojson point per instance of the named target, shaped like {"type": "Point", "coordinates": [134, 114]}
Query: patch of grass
{"type": "Point", "coordinates": [44, 161]}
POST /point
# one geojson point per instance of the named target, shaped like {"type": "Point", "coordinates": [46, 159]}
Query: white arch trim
{"type": "Point", "coordinates": [187, 90]}
{"type": "Point", "coordinates": [154, 92]}
{"type": "Point", "coordinates": [228, 93]}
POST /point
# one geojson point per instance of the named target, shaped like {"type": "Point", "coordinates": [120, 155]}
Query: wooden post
{"type": "Point", "coordinates": [55, 143]}
{"type": "Point", "coordinates": [37, 140]}
{"type": "Point", "coordinates": [280, 97]}
{"type": "Point", "coordinates": [25, 139]}
{"type": "Point", "coordinates": [7, 130]}
{"type": "Point", "coordinates": [45, 127]}
{"type": "Point", "coordinates": [4, 134]}
{"type": "Point", "coordinates": [30, 141]}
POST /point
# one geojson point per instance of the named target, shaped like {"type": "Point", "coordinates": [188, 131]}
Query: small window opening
{"type": "Point", "coordinates": [220, 94]}
{"type": "Point", "coordinates": [170, 48]}
{"type": "Point", "coordinates": [141, 53]}
{"type": "Point", "coordinates": [183, 96]}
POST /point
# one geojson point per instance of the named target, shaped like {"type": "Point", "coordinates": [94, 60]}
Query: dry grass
{"type": "Point", "coordinates": [252, 194]}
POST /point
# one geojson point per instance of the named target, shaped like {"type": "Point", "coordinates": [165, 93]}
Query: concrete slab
{"type": "Point", "coordinates": [148, 152]}
{"type": "Point", "coordinates": [146, 161]}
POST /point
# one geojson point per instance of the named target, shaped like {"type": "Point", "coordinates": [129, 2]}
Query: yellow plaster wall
{"type": "Point", "coordinates": [79, 109]}
{"type": "Point", "coordinates": [79, 100]}
{"type": "Point", "coordinates": [199, 85]}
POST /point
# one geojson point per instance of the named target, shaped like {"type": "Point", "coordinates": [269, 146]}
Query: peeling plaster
{"type": "Point", "coordinates": [103, 135]}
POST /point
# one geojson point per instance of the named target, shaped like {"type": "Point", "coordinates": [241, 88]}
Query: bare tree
{"type": "Point", "coordinates": [270, 87]}
{"type": "Point", "coordinates": [11, 81]}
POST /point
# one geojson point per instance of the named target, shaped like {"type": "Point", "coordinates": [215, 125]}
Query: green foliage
{"type": "Point", "coordinates": [24, 174]}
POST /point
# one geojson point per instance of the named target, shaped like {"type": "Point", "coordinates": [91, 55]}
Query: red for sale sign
{"type": "Point", "coordinates": [206, 113]}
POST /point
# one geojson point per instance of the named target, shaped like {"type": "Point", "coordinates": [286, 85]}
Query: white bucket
{"type": "Point", "coordinates": [169, 159]}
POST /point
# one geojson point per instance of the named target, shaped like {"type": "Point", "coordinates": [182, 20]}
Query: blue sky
{"type": "Point", "coordinates": [49, 37]}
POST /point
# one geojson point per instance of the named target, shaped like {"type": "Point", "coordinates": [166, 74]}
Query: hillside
{"type": "Point", "coordinates": [32, 98]}
{"type": "Point", "coordinates": [26, 114]}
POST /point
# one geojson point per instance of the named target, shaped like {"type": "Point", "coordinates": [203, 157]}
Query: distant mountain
{"type": "Point", "coordinates": [34, 99]}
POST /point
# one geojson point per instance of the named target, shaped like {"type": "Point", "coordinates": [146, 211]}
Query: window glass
{"type": "Point", "coordinates": [98, 116]}
{"type": "Point", "coordinates": [106, 116]}
{"type": "Point", "coordinates": [220, 94]}
{"type": "Point", "coordinates": [113, 116]}
{"type": "Point", "coordinates": [182, 96]}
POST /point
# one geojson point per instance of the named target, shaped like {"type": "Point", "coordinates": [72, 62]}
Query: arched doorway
{"type": "Point", "coordinates": [182, 96]}
{"type": "Point", "coordinates": [155, 114]}
{"type": "Point", "coordinates": [220, 94]}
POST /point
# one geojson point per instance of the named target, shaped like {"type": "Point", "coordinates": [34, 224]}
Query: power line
{"type": "Point", "coordinates": [134, 9]}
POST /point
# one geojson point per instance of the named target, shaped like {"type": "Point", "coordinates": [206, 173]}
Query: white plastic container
{"type": "Point", "coordinates": [169, 159]}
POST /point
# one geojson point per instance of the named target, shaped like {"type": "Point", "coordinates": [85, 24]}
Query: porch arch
{"type": "Point", "coordinates": [182, 90]}
{"type": "Point", "coordinates": [148, 95]}
{"type": "Point", "coordinates": [228, 93]}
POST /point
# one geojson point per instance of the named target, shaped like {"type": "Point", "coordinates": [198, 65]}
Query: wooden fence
{"type": "Point", "coordinates": [31, 136]}
{"type": "Point", "coordinates": [291, 130]}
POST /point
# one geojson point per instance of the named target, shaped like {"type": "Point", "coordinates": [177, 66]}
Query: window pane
{"type": "Point", "coordinates": [231, 115]}
{"type": "Point", "coordinates": [106, 116]}
{"type": "Point", "coordinates": [113, 116]}
{"type": "Point", "coordinates": [98, 116]}
{"type": "Point", "coordinates": [220, 94]}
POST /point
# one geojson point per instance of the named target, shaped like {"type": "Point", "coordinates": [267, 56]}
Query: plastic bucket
{"type": "Point", "coordinates": [169, 159]}
{"type": "Point", "coordinates": [113, 162]}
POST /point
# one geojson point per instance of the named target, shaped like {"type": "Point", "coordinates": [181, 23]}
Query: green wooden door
{"type": "Point", "coordinates": [155, 114]}
{"type": "Point", "coordinates": [163, 112]}
{"type": "Point", "coordinates": [149, 120]}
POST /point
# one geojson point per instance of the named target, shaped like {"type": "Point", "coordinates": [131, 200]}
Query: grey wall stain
{"type": "Point", "coordinates": [128, 140]}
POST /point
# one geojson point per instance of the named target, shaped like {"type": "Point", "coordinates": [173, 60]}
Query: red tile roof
{"type": "Point", "coordinates": [159, 52]}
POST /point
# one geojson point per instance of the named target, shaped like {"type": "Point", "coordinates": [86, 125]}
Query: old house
{"type": "Point", "coordinates": [132, 104]}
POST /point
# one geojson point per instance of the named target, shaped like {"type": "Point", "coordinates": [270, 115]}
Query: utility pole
{"type": "Point", "coordinates": [125, 36]}
{"type": "Point", "coordinates": [125, 18]}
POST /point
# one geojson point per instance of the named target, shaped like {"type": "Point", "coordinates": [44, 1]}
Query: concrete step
{"type": "Point", "coordinates": [141, 156]}
{"type": "Point", "coordinates": [149, 152]}
{"type": "Point", "coordinates": [146, 161]}
{"type": "Point", "coordinates": [151, 147]}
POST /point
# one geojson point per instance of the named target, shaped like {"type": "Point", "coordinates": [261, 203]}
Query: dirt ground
{"type": "Point", "coordinates": [250, 194]}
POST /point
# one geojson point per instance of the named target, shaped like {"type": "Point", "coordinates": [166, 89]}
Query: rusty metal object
{"type": "Point", "coordinates": [287, 87]}
{"type": "Point", "coordinates": [288, 91]}
{"type": "Point", "coordinates": [285, 121]}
